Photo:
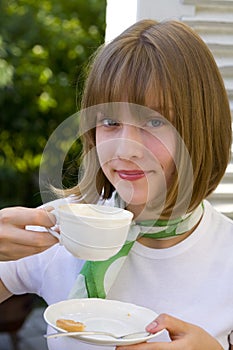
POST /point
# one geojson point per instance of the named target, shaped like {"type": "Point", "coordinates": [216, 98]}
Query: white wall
{"type": "Point", "coordinates": [120, 14]}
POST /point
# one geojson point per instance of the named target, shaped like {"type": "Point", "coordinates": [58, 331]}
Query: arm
{"type": "Point", "coordinates": [4, 292]}
{"type": "Point", "coordinates": [17, 242]}
{"type": "Point", "coordinates": [183, 336]}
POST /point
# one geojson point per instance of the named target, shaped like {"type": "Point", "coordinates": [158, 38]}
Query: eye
{"type": "Point", "coordinates": [108, 122]}
{"type": "Point", "coordinates": [155, 123]}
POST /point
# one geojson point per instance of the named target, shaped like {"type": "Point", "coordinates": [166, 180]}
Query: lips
{"type": "Point", "coordinates": [131, 175]}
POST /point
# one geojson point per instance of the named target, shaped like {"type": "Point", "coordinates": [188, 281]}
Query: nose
{"type": "Point", "coordinates": [130, 142]}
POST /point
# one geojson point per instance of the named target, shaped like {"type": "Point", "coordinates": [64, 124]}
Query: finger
{"type": "Point", "coordinates": [37, 239]}
{"type": "Point", "coordinates": [182, 334]}
{"type": "Point", "coordinates": [21, 216]}
{"type": "Point", "coordinates": [14, 251]}
{"type": "Point", "coordinates": [21, 236]}
{"type": "Point", "coordinates": [173, 325]}
{"type": "Point", "coordinates": [48, 208]}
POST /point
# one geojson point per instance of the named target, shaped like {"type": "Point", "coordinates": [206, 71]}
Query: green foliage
{"type": "Point", "coordinates": [44, 47]}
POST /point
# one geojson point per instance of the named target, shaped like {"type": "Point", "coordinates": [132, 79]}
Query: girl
{"type": "Point", "coordinates": [158, 144]}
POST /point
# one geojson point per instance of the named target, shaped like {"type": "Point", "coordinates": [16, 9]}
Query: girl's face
{"type": "Point", "coordinates": [136, 149]}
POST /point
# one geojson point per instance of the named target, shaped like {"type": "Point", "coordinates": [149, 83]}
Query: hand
{"type": "Point", "coordinates": [183, 336]}
{"type": "Point", "coordinates": [17, 242]}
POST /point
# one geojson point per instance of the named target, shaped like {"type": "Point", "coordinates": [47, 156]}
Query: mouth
{"type": "Point", "coordinates": [131, 175]}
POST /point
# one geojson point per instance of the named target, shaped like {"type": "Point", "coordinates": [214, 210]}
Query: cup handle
{"type": "Point", "coordinates": [53, 232]}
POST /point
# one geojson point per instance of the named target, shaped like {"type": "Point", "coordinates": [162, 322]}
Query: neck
{"type": "Point", "coordinates": [141, 212]}
{"type": "Point", "coordinates": [158, 232]}
{"type": "Point", "coordinates": [166, 243]}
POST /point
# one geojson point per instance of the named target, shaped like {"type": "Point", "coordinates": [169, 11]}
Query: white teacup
{"type": "Point", "coordinates": [91, 231]}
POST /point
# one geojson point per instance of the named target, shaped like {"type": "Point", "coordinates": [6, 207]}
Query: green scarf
{"type": "Point", "coordinates": [97, 277]}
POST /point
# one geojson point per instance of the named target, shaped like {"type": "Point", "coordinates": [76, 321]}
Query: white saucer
{"type": "Point", "coordinates": [103, 315]}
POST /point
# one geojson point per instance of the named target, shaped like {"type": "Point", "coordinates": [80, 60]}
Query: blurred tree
{"type": "Point", "coordinates": [44, 46]}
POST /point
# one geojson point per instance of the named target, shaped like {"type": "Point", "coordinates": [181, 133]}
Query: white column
{"type": "Point", "coordinates": [120, 14]}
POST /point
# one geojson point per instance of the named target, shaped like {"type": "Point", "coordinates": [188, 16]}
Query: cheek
{"type": "Point", "coordinates": [105, 150]}
{"type": "Point", "coordinates": [99, 148]}
{"type": "Point", "coordinates": [163, 152]}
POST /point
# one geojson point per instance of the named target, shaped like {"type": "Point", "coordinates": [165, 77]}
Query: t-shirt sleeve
{"type": "Point", "coordinates": [25, 275]}
{"type": "Point", "coordinates": [50, 274]}
{"type": "Point", "coordinates": [43, 271]}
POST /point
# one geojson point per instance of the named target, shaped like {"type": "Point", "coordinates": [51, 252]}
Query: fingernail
{"type": "Point", "coordinates": [151, 327]}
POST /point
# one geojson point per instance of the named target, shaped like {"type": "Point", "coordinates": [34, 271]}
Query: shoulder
{"type": "Point", "coordinates": [217, 218]}
{"type": "Point", "coordinates": [219, 232]}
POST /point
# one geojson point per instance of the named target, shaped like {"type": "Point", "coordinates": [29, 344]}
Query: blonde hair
{"type": "Point", "coordinates": [169, 60]}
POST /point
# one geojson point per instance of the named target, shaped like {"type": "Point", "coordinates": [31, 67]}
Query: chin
{"type": "Point", "coordinates": [144, 198]}
{"type": "Point", "coordinates": [134, 199]}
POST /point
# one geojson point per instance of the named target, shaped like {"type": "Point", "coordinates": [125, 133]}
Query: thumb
{"type": "Point", "coordinates": [173, 325]}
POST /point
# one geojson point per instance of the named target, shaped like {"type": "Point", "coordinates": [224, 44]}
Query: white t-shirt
{"type": "Point", "coordinates": [192, 280]}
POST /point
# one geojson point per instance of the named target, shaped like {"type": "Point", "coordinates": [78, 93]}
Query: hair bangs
{"type": "Point", "coordinates": [129, 73]}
